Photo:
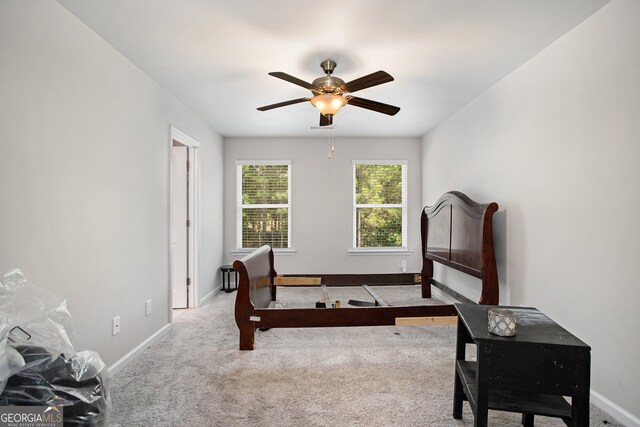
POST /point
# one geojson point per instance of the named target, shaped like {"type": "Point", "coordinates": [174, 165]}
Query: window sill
{"type": "Point", "coordinates": [380, 251]}
{"type": "Point", "coordinates": [276, 251]}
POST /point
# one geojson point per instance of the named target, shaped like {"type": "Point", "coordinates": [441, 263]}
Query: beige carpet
{"type": "Point", "coordinates": [368, 376]}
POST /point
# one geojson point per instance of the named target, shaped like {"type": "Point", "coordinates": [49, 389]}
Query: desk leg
{"type": "Point", "coordinates": [482, 388]}
{"type": "Point", "coordinates": [458, 392]}
{"type": "Point", "coordinates": [527, 420]}
{"type": "Point", "coordinates": [580, 410]}
{"type": "Point", "coordinates": [580, 401]}
{"type": "Point", "coordinates": [457, 398]}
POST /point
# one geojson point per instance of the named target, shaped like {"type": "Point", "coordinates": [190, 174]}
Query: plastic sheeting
{"type": "Point", "coordinates": [38, 363]}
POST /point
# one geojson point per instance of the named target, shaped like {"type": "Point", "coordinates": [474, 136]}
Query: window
{"type": "Point", "coordinates": [380, 204]}
{"type": "Point", "coordinates": [263, 204]}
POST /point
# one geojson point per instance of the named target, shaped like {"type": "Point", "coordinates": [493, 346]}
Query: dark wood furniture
{"type": "Point", "coordinates": [458, 232]}
{"type": "Point", "coordinates": [226, 271]}
{"type": "Point", "coordinates": [468, 248]}
{"type": "Point", "coordinates": [528, 373]}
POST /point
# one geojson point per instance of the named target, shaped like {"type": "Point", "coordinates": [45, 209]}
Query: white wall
{"type": "Point", "coordinates": [84, 175]}
{"type": "Point", "coordinates": [322, 197]}
{"type": "Point", "coordinates": [557, 145]}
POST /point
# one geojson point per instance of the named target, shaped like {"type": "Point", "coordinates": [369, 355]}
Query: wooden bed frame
{"type": "Point", "coordinates": [456, 231]}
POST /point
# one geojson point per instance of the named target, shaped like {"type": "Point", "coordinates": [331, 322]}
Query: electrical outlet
{"type": "Point", "coordinates": [403, 265]}
{"type": "Point", "coordinates": [148, 307]}
{"type": "Point", "coordinates": [115, 325]}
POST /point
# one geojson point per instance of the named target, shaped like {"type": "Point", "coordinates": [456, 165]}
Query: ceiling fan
{"type": "Point", "coordinates": [331, 93]}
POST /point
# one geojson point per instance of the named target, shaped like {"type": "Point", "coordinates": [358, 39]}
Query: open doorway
{"type": "Point", "coordinates": [183, 248]}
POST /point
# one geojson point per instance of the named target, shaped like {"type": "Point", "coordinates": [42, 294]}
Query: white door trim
{"type": "Point", "coordinates": [181, 234]}
{"type": "Point", "coordinates": [181, 137]}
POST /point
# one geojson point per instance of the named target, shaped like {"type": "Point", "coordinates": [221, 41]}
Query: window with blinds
{"type": "Point", "coordinates": [263, 204]}
{"type": "Point", "coordinates": [380, 204]}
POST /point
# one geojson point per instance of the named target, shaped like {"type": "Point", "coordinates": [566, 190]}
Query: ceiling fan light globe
{"type": "Point", "coordinates": [328, 103]}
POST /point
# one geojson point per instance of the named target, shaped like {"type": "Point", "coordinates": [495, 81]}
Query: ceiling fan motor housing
{"type": "Point", "coordinates": [328, 84]}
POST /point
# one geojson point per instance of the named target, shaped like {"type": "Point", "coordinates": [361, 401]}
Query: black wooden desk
{"type": "Point", "coordinates": [528, 373]}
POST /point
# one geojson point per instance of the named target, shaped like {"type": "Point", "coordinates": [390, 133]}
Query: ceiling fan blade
{"type": "Point", "coordinates": [282, 104]}
{"type": "Point", "coordinates": [370, 80]}
{"type": "Point", "coordinates": [373, 105]}
{"type": "Point", "coordinates": [296, 81]}
{"type": "Point", "coordinates": [326, 120]}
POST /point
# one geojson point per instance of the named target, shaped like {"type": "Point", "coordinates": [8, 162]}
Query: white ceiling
{"type": "Point", "coordinates": [214, 55]}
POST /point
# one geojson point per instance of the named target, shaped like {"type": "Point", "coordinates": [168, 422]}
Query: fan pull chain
{"type": "Point", "coordinates": [332, 148]}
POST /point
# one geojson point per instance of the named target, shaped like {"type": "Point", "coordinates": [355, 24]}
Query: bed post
{"type": "Point", "coordinates": [427, 265]}
{"type": "Point", "coordinates": [244, 308]}
{"type": "Point", "coordinates": [272, 275]}
{"type": "Point", "coordinates": [490, 290]}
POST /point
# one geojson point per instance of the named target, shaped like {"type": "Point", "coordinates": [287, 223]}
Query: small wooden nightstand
{"type": "Point", "coordinates": [528, 373]}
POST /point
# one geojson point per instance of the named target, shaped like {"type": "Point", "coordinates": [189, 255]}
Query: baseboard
{"type": "Point", "coordinates": [619, 414]}
{"type": "Point", "coordinates": [129, 357]}
{"type": "Point", "coordinates": [443, 296]}
{"type": "Point", "coordinates": [447, 290]}
{"type": "Point", "coordinates": [207, 297]}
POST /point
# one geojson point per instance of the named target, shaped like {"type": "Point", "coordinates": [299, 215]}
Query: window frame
{"type": "Point", "coordinates": [240, 206]}
{"type": "Point", "coordinates": [382, 250]}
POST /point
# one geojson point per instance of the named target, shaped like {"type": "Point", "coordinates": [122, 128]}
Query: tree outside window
{"type": "Point", "coordinates": [264, 204]}
{"type": "Point", "coordinates": [379, 204]}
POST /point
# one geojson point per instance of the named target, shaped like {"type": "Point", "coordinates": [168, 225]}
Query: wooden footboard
{"type": "Point", "coordinates": [255, 290]}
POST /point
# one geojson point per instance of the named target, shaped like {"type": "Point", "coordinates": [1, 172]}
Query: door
{"type": "Point", "coordinates": [180, 226]}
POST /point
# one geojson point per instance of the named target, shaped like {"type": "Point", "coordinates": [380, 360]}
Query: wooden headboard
{"type": "Point", "coordinates": [458, 232]}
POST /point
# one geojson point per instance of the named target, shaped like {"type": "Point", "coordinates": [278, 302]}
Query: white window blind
{"type": "Point", "coordinates": [380, 204]}
{"type": "Point", "coordinates": [263, 214]}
